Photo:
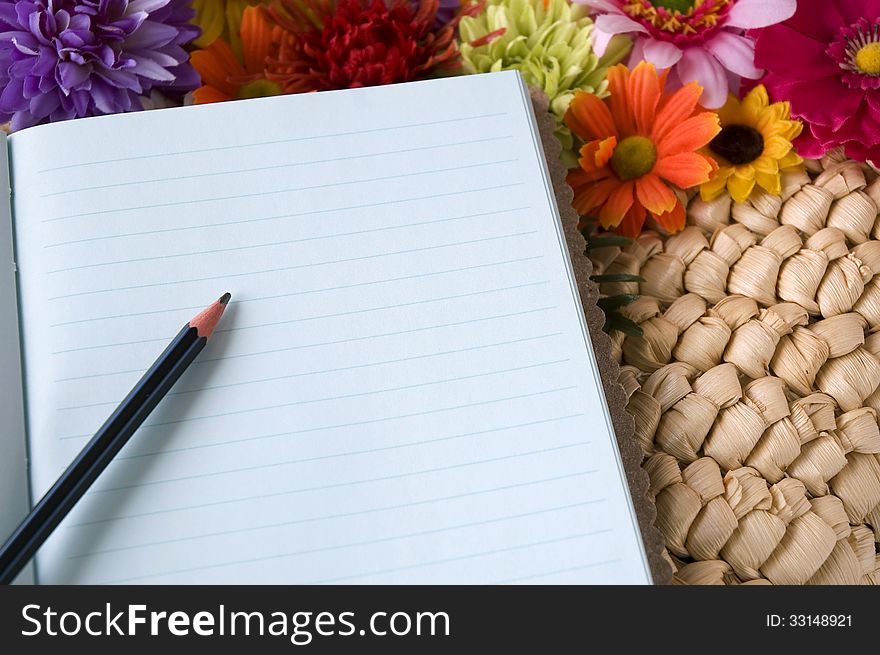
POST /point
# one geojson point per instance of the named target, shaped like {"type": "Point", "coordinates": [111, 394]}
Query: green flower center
{"type": "Point", "coordinates": [867, 59]}
{"type": "Point", "coordinates": [633, 157]}
{"type": "Point", "coordinates": [738, 144]}
{"type": "Point", "coordinates": [258, 89]}
{"type": "Point", "coordinates": [681, 6]}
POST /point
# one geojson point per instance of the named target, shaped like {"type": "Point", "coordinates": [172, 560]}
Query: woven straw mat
{"type": "Point", "coordinates": [756, 386]}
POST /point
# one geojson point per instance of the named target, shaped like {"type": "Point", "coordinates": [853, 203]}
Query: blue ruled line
{"type": "Point", "coordinates": [314, 318]}
{"type": "Point", "coordinates": [263, 194]}
{"type": "Point", "coordinates": [294, 267]}
{"type": "Point", "coordinates": [289, 492]}
{"type": "Point", "coordinates": [307, 291]}
{"type": "Point", "coordinates": [396, 201]}
{"type": "Point", "coordinates": [343, 425]}
{"type": "Point", "coordinates": [346, 396]}
{"type": "Point", "coordinates": [448, 560]}
{"type": "Point", "coordinates": [279, 166]}
{"type": "Point", "coordinates": [273, 142]}
{"type": "Point", "coordinates": [329, 517]}
{"type": "Point", "coordinates": [369, 542]}
{"type": "Point", "coordinates": [319, 344]}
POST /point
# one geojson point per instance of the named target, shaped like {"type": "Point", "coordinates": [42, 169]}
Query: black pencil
{"type": "Point", "coordinates": [108, 441]}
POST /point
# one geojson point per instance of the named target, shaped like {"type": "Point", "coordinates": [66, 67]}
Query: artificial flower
{"type": "Point", "coordinates": [447, 10]}
{"type": "Point", "coordinates": [699, 40]}
{"type": "Point", "coordinates": [226, 76]}
{"type": "Point", "coordinates": [548, 41]}
{"type": "Point", "coordinates": [338, 44]}
{"type": "Point", "coordinates": [638, 142]}
{"type": "Point", "coordinates": [63, 59]}
{"type": "Point", "coordinates": [825, 60]}
{"type": "Point", "coordinates": [753, 148]}
{"type": "Point", "coordinates": [221, 19]}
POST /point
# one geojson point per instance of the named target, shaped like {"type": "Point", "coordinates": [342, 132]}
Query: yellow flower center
{"type": "Point", "coordinates": [633, 157]}
{"type": "Point", "coordinates": [681, 6]}
{"type": "Point", "coordinates": [867, 59]}
{"type": "Point", "coordinates": [258, 89]}
{"type": "Point", "coordinates": [687, 17]}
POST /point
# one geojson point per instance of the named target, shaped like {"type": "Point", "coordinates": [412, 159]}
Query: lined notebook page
{"type": "Point", "coordinates": [401, 390]}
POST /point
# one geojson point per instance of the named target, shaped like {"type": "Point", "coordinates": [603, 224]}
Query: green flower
{"type": "Point", "coordinates": [548, 41]}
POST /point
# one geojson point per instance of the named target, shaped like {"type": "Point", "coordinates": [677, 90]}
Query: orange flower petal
{"type": "Point", "coordinates": [631, 225]}
{"type": "Point", "coordinates": [595, 154]}
{"type": "Point", "coordinates": [617, 205]}
{"type": "Point", "coordinates": [605, 151]}
{"type": "Point", "coordinates": [619, 102]}
{"type": "Point", "coordinates": [217, 64]}
{"type": "Point", "coordinates": [591, 196]}
{"type": "Point", "coordinates": [675, 109]}
{"type": "Point", "coordinates": [691, 135]}
{"type": "Point", "coordinates": [672, 221]}
{"type": "Point", "coordinates": [207, 94]}
{"type": "Point", "coordinates": [654, 195]}
{"type": "Point", "coordinates": [685, 169]}
{"type": "Point", "coordinates": [643, 89]}
{"type": "Point", "coordinates": [256, 39]}
{"type": "Point", "coordinates": [578, 176]}
{"type": "Point", "coordinates": [589, 118]}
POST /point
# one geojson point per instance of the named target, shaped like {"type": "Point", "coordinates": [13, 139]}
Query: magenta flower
{"type": "Point", "coordinates": [825, 60]}
{"type": "Point", "coordinates": [62, 59]}
{"type": "Point", "coordinates": [699, 40]}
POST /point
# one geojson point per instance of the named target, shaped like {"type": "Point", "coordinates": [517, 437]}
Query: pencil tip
{"type": "Point", "coordinates": [224, 299]}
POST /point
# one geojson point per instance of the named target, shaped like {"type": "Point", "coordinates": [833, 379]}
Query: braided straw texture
{"type": "Point", "coordinates": [756, 386]}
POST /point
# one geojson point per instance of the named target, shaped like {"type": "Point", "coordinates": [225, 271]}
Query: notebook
{"type": "Point", "coordinates": [403, 389]}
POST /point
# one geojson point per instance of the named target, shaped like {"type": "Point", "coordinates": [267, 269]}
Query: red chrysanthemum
{"type": "Point", "coordinates": [340, 44]}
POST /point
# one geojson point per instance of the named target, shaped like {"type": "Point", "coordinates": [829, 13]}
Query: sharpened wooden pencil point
{"type": "Point", "coordinates": [207, 320]}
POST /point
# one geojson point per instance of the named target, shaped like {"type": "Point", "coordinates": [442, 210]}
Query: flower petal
{"type": "Point", "coordinates": [770, 182]}
{"type": "Point", "coordinates": [691, 135]}
{"type": "Point", "coordinates": [654, 195]}
{"type": "Point", "coordinates": [737, 53]}
{"type": "Point", "coordinates": [699, 66]}
{"type": "Point", "coordinates": [256, 39]}
{"type": "Point", "coordinates": [618, 24]}
{"type": "Point", "coordinates": [589, 118]}
{"type": "Point", "coordinates": [749, 14]}
{"type": "Point", "coordinates": [595, 154]}
{"type": "Point", "coordinates": [740, 188]}
{"type": "Point", "coordinates": [617, 205]}
{"type": "Point", "coordinates": [676, 108]}
{"type": "Point", "coordinates": [631, 225]}
{"type": "Point", "coordinates": [662, 54]}
{"type": "Point", "coordinates": [643, 89]}
{"type": "Point", "coordinates": [619, 102]}
{"type": "Point", "coordinates": [591, 196]}
{"type": "Point", "coordinates": [605, 150]}
{"type": "Point", "coordinates": [672, 221]}
{"type": "Point", "coordinates": [852, 10]}
{"type": "Point", "coordinates": [828, 101]}
{"type": "Point", "coordinates": [713, 188]}
{"type": "Point", "coordinates": [792, 54]}
{"type": "Point", "coordinates": [684, 170]}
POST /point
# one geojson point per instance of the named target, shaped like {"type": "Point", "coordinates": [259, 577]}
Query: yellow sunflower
{"type": "Point", "coordinates": [220, 19]}
{"type": "Point", "coordinates": [753, 147]}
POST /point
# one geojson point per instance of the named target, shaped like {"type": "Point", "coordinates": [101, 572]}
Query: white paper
{"type": "Point", "coordinates": [13, 453]}
{"type": "Point", "coordinates": [402, 389]}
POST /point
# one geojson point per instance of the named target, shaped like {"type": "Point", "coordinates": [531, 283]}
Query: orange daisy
{"type": "Point", "coordinates": [225, 76]}
{"type": "Point", "coordinates": [637, 142]}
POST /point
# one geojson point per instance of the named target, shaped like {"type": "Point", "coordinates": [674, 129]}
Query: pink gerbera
{"type": "Point", "coordinates": [825, 60]}
{"type": "Point", "coordinates": [700, 40]}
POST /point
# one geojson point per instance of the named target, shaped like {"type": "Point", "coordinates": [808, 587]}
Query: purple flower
{"type": "Point", "coordinates": [63, 59]}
